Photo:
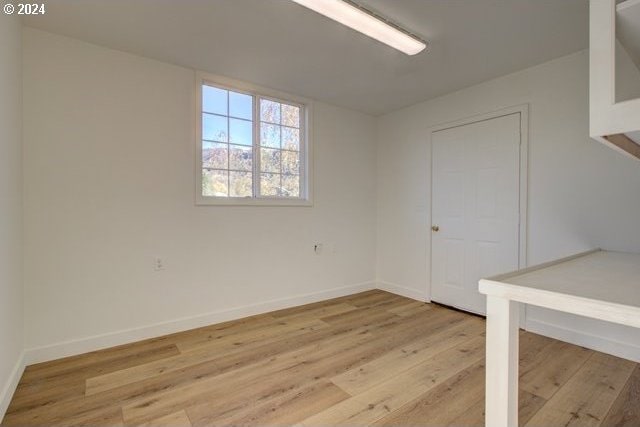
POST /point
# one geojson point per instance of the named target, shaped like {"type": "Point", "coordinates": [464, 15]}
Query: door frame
{"type": "Point", "coordinates": [523, 110]}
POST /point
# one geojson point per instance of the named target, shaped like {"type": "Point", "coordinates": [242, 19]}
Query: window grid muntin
{"type": "Point", "coordinates": [256, 146]}
{"type": "Point", "coordinates": [281, 174]}
{"type": "Point", "coordinates": [228, 144]}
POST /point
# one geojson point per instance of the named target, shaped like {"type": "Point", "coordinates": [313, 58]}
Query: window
{"type": "Point", "coordinates": [252, 147]}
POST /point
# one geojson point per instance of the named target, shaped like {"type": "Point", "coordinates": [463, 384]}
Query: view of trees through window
{"type": "Point", "coordinates": [237, 163]}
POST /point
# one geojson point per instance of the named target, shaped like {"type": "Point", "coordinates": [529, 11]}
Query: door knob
{"type": "Point", "coordinates": [435, 228]}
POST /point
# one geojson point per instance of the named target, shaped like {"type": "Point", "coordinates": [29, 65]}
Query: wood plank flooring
{"type": "Point", "coordinates": [367, 359]}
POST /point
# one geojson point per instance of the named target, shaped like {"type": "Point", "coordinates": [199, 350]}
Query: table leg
{"type": "Point", "coordinates": [502, 362]}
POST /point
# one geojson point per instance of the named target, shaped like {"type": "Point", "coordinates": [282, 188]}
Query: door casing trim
{"type": "Point", "coordinates": [523, 110]}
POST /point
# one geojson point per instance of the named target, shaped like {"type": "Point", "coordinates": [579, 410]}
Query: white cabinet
{"type": "Point", "coordinates": [614, 55]}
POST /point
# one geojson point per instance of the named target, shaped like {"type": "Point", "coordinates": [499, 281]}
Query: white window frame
{"type": "Point", "coordinates": [306, 146]}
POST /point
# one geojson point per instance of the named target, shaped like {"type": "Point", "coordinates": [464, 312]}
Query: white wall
{"type": "Point", "coordinates": [11, 295]}
{"type": "Point", "coordinates": [627, 75]}
{"type": "Point", "coordinates": [109, 185]}
{"type": "Point", "coordinates": [581, 194]}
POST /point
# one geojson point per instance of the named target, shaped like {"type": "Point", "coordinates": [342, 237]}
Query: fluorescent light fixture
{"type": "Point", "coordinates": [366, 23]}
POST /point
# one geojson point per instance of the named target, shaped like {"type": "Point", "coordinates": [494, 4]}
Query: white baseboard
{"type": "Point", "coordinates": [626, 350]}
{"type": "Point", "coordinates": [402, 291]}
{"type": "Point", "coordinates": [10, 386]}
{"type": "Point", "coordinates": [98, 342]}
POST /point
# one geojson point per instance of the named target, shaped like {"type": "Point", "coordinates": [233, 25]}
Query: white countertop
{"type": "Point", "coordinates": [600, 284]}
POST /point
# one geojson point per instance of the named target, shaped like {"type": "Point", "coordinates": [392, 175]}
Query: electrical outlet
{"type": "Point", "coordinates": [317, 248]}
{"type": "Point", "coordinates": [158, 264]}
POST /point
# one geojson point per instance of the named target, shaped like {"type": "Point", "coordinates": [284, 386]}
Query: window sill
{"type": "Point", "coordinates": [249, 201]}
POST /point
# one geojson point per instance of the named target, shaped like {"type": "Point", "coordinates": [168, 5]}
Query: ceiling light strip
{"type": "Point", "coordinates": [368, 23]}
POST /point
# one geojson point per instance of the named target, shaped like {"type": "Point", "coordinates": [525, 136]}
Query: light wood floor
{"type": "Point", "coordinates": [369, 359]}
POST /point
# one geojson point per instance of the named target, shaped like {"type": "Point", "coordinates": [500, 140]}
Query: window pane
{"type": "Point", "coordinates": [290, 162]}
{"type": "Point", "coordinates": [241, 132]}
{"type": "Point", "coordinates": [240, 158]}
{"type": "Point", "coordinates": [214, 155]}
{"type": "Point", "coordinates": [214, 128]}
{"type": "Point", "coordinates": [214, 100]}
{"type": "Point", "coordinates": [290, 138]}
{"type": "Point", "coordinates": [290, 116]}
{"type": "Point", "coordinates": [269, 135]}
{"type": "Point", "coordinates": [229, 121]}
{"type": "Point", "coordinates": [241, 184]}
{"type": "Point", "coordinates": [291, 186]}
{"type": "Point", "coordinates": [270, 184]}
{"type": "Point", "coordinates": [240, 105]}
{"type": "Point", "coordinates": [270, 160]}
{"type": "Point", "coordinates": [269, 111]}
{"type": "Point", "coordinates": [215, 183]}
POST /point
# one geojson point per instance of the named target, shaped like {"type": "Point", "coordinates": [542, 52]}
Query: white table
{"type": "Point", "coordinates": [599, 284]}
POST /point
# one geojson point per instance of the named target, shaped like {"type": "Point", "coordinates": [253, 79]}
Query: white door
{"type": "Point", "coordinates": [475, 208]}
